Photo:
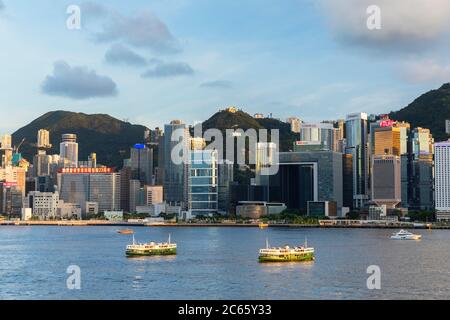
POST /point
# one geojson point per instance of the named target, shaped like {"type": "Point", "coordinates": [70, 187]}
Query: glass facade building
{"type": "Point", "coordinates": [356, 133]}
{"type": "Point", "coordinates": [175, 175]}
{"type": "Point", "coordinates": [203, 183]}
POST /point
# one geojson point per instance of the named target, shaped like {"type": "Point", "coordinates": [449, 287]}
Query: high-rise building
{"type": "Point", "coordinates": [307, 176]}
{"type": "Point", "coordinates": [295, 123]}
{"type": "Point", "coordinates": [92, 160]}
{"type": "Point", "coordinates": [81, 185]}
{"type": "Point", "coordinates": [386, 180]}
{"type": "Point", "coordinates": [421, 177]}
{"type": "Point", "coordinates": [11, 198]}
{"type": "Point", "coordinates": [43, 139]}
{"type": "Point", "coordinates": [422, 142]}
{"type": "Point", "coordinates": [420, 170]}
{"type": "Point", "coordinates": [347, 177]}
{"type": "Point", "coordinates": [338, 140]}
{"type": "Point", "coordinates": [155, 136]}
{"type": "Point", "coordinates": [226, 177]}
{"type": "Point", "coordinates": [198, 143]}
{"type": "Point", "coordinates": [357, 145]}
{"type": "Point", "coordinates": [447, 127]}
{"type": "Point", "coordinates": [386, 141]}
{"type": "Point", "coordinates": [136, 195]}
{"type": "Point", "coordinates": [318, 133]}
{"type": "Point", "coordinates": [15, 176]}
{"type": "Point", "coordinates": [265, 158]}
{"type": "Point", "coordinates": [203, 183]}
{"type": "Point", "coordinates": [175, 176]}
{"type": "Point", "coordinates": [5, 141]}
{"type": "Point", "coordinates": [142, 162]}
{"type": "Point", "coordinates": [6, 151]}
{"type": "Point", "coordinates": [69, 151]}
{"type": "Point", "coordinates": [43, 163]}
{"type": "Point", "coordinates": [340, 125]}
{"type": "Point", "coordinates": [42, 184]}
{"type": "Point", "coordinates": [126, 175]}
{"type": "Point", "coordinates": [153, 195]}
{"type": "Point", "coordinates": [442, 180]}
{"type": "Point", "coordinates": [405, 129]}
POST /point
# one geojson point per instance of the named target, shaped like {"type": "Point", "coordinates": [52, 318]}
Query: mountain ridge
{"type": "Point", "coordinates": [429, 110]}
{"type": "Point", "coordinates": [103, 134]}
{"type": "Point", "coordinates": [111, 138]}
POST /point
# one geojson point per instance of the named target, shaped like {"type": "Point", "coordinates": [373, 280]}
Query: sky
{"type": "Point", "coordinates": [152, 61]}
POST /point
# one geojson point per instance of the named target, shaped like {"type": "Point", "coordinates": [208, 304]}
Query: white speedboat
{"type": "Point", "coordinates": [405, 235]}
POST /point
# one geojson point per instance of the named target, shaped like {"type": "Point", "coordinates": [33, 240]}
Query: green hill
{"type": "Point", "coordinates": [224, 119]}
{"type": "Point", "coordinates": [430, 111]}
{"type": "Point", "coordinates": [110, 138]}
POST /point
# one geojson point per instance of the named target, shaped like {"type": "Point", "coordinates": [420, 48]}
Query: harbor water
{"type": "Point", "coordinates": [220, 263]}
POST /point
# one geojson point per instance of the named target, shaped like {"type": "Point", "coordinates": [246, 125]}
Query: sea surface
{"type": "Point", "coordinates": [220, 263]}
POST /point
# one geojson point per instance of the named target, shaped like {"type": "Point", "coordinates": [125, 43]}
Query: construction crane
{"type": "Point", "coordinates": [16, 149]}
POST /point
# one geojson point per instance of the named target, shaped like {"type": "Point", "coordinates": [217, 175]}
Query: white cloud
{"type": "Point", "coordinates": [403, 22]}
{"type": "Point", "coordinates": [142, 30]}
{"type": "Point", "coordinates": [77, 83]}
{"type": "Point", "coordinates": [119, 54]}
{"type": "Point", "coordinates": [425, 71]}
{"type": "Point", "coordinates": [168, 69]}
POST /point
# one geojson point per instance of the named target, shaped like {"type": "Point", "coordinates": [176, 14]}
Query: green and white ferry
{"type": "Point", "coordinates": [286, 253]}
{"type": "Point", "coordinates": [151, 249]}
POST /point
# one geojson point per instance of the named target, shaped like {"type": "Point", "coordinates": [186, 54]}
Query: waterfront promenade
{"type": "Point", "coordinates": [321, 224]}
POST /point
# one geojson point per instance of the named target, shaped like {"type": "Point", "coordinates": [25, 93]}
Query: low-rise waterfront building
{"type": "Point", "coordinates": [258, 209]}
{"type": "Point", "coordinates": [322, 209]}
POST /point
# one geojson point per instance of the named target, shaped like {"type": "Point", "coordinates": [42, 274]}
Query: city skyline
{"type": "Point", "coordinates": [257, 64]}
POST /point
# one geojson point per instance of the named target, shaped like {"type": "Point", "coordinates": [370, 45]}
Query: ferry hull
{"type": "Point", "coordinates": [287, 258]}
{"type": "Point", "coordinates": [414, 237]}
{"type": "Point", "coordinates": [151, 252]}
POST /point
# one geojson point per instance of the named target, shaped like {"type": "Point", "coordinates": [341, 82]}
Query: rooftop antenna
{"type": "Point", "coordinates": [267, 243]}
{"type": "Point", "coordinates": [134, 242]}
{"type": "Point", "coordinates": [169, 238]}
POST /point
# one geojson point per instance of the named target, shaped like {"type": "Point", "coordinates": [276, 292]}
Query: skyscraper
{"type": "Point", "coordinates": [153, 195]}
{"type": "Point", "coordinates": [175, 176]}
{"type": "Point", "coordinates": [421, 170]}
{"type": "Point", "coordinates": [404, 128]}
{"type": "Point", "coordinates": [387, 141]}
{"type": "Point", "coordinates": [447, 127]}
{"type": "Point", "coordinates": [319, 133]}
{"type": "Point", "coordinates": [203, 183]}
{"type": "Point", "coordinates": [295, 124]}
{"type": "Point", "coordinates": [356, 145]}
{"type": "Point", "coordinates": [226, 177]}
{"type": "Point", "coordinates": [6, 151]}
{"type": "Point", "coordinates": [42, 163]}
{"type": "Point", "coordinates": [81, 185]}
{"type": "Point", "coordinates": [142, 162]}
{"type": "Point", "coordinates": [307, 176]}
{"type": "Point", "coordinates": [43, 139]}
{"type": "Point", "coordinates": [442, 182]}
{"type": "Point", "coordinates": [69, 151]}
{"type": "Point", "coordinates": [265, 158]}
{"type": "Point", "coordinates": [422, 142]}
{"type": "Point", "coordinates": [5, 141]}
{"type": "Point", "coordinates": [386, 180]}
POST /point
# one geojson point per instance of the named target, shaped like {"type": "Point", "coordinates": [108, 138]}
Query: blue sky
{"type": "Point", "coordinates": [154, 61]}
